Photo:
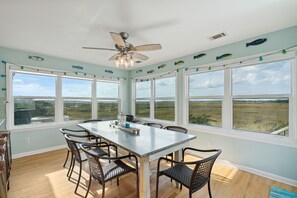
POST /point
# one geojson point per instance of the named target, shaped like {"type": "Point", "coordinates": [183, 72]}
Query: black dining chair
{"type": "Point", "coordinates": [79, 157]}
{"type": "Point", "coordinates": [104, 173]}
{"type": "Point", "coordinates": [194, 179]}
{"type": "Point", "coordinates": [92, 120]}
{"type": "Point", "coordinates": [176, 129]}
{"type": "Point", "coordinates": [153, 124]}
{"type": "Point", "coordinates": [81, 134]}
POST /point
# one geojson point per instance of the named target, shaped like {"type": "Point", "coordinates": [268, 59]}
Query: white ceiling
{"type": "Point", "coordinates": [60, 28]}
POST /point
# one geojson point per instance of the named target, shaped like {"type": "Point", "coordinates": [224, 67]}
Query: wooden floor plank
{"type": "Point", "coordinates": [42, 176]}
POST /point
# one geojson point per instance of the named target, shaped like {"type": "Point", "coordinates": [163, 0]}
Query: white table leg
{"type": "Point", "coordinates": [178, 157]}
{"type": "Point", "coordinates": [144, 178]}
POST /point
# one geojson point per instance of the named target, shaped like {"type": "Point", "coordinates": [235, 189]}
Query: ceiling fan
{"type": "Point", "coordinates": [127, 53]}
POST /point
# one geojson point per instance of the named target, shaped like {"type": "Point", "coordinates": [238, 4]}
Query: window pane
{"type": "Point", "coordinates": [165, 87]}
{"type": "Point", "coordinates": [267, 78]}
{"type": "Point", "coordinates": [76, 109]}
{"type": "Point", "coordinates": [143, 89]}
{"type": "Point", "coordinates": [107, 90]}
{"type": "Point", "coordinates": [142, 108]}
{"type": "Point", "coordinates": [33, 111]}
{"type": "Point", "coordinates": [205, 112]}
{"type": "Point", "coordinates": [207, 84]}
{"type": "Point", "coordinates": [165, 110]}
{"type": "Point", "coordinates": [76, 87]}
{"type": "Point", "coordinates": [261, 115]}
{"type": "Point", "coordinates": [107, 109]}
{"type": "Point", "coordinates": [33, 85]}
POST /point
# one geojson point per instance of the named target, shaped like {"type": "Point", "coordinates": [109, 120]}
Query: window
{"type": "Point", "coordinates": [165, 99]}
{"type": "Point", "coordinates": [205, 95]}
{"type": "Point", "coordinates": [261, 97]}
{"type": "Point", "coordinates": [33, 98]}
{"type": "Point", "coordinates": [143, 96]}
{"type": "Point", "coordinates": [155, 99]}
{"type": "Point", "coordinates": [107, 100]}
{"type": "Point", "coordinates": [76, 95]}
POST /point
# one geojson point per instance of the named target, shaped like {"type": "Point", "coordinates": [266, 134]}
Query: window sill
{"type": "Point", "coordinates": [34, 127]}
{"type": "Point", "coordinates": [268, 139]}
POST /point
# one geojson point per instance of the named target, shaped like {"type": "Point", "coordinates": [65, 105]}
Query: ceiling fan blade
{"type": "Point", "coordinates": [140, 56]}
{"type": "Point", "coordinates": [117, 38]}
{"type": "Point", "coordinates": [99, 48]}
{"type": "Point", "coordinates": [148, 47]}
{"type": "Point", "coordinates": [114, 56]}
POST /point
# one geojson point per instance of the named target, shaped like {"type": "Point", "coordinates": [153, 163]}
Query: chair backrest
{"type": "Point", "coordinates": [152, 124]}
{"type": "Point", "coordinates": [72, 144]}
{"type": "Point", "coordinates": [202, 171]}
{"type": "Point", "coordinates": [95, 166]}
{"type": "Point", "coordinates": [92, 120]}
{"type": "Point", "coordinates": [177, 129]}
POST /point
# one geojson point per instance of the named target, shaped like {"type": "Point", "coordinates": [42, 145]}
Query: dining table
{"type": "Point", "coordinates": [148, 145]}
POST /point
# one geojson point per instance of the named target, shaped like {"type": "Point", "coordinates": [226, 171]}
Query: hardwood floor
{"type": "Point", "coordinates": [42, 175]}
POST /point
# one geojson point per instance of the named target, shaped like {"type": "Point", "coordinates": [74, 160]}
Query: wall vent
{"type": "Point", "coordinates": [217, 36]}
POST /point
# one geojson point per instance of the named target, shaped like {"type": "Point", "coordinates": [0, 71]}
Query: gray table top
{"type": "Point", "coordinates": [149, 141]}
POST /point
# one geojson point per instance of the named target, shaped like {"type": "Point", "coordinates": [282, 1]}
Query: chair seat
{"type": "Point", "coordinates": [180, 173]}
{"type": "Point", "coordinates": [115, 169]}
{"type": "Point", "coordinates": [112, 170]}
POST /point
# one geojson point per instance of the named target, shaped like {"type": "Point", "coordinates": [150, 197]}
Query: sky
{"type": "Point", "coordinates": [267, 78]}
{"type": "Point", "coordinates": [36, 85]}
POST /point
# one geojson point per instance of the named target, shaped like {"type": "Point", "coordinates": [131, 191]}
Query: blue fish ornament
{"type": "Point", "coordinates": [179, 63]}
{"type": "Point", "coordinates": [257, 42]}
{"type": "Point", "coordinates": [224, 56]}
{"type": "Point", "coordinates": [109, 71]}
{"type": "Point", "coordinates": [199, 55]}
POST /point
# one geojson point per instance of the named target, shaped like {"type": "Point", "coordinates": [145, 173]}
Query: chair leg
{"type": "Point", "coordinates": [90, 181]}
{"type": "Point", "coordinates": [137, 184]}
{"type": "Point", "coordinates": [103, 190]}
{"type": "Point", "coordinates": [118, 181]}
{"type": "Point", "coordinates": [157, 186]}
{"type": "Point", "coordinates": [79, 176]}
{"type": "Point", "coordinates": [66, 158]}
{"type": "Point", "coordinates": [70, 166]}
{"type": "Point", "coordinates": [73, 164]}
{"type": "Point", "coordinates": [209, 192]}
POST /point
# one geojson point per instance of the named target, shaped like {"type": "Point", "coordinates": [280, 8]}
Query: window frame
{"type": "Point", "coordinates": [59, 107]}
{"type": "Point", "coordinates": [227, 109]}
{"type": "Point", "coordinates": [188, 98]}
{"type": "Point", "coordinates": [76, 98]}
{"type": "Point", "coordinates": [95, 106]}
{"type": "Point", "coordinates": [153, 98]}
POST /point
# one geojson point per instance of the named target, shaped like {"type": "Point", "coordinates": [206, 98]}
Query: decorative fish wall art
{"type": "Point", "coordinates": [77, 67]}
{"type": "Point", "coordinates": [179, 62]}
{"type": "Point", "coordinates": [109, 71]}
{"type": "Point", "coordinates": [199, 55]}
{"type": "Point", "coordinates": [224, 56]}
{"type": "Point", "coordinates": [161, 66]}
{"type": "Point", "coordinates": [139, 71]}
{"type": "Point", "coordinates": [257, 42]}
{"type": "Point", "coordinates": [150, 71]}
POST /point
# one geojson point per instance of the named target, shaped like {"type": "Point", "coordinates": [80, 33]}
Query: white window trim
{"type": "Point", "coordinates": [153, 98]}
{"type": "Point", "coordinates": [59, 114]}
{"type": "Point", "coordinates": [227, 130]}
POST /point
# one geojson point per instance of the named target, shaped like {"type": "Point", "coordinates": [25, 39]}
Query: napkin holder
{"type": "Point", "coordinates": [132, 130]}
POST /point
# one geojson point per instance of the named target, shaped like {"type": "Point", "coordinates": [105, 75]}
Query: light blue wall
{"type": "Point", "coordinates": [278, 160]}
{"type": "Point", "coordinates": [51, 137]}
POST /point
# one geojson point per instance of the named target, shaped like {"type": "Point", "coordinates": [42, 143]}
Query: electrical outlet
{"type": "Point", "coordinates": [27, 140]}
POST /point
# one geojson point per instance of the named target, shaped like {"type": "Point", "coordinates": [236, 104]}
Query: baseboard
{"type": "Point", "coordinates": [25, 154]}
{"type": "Point", "coordinates": [253, 171]}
